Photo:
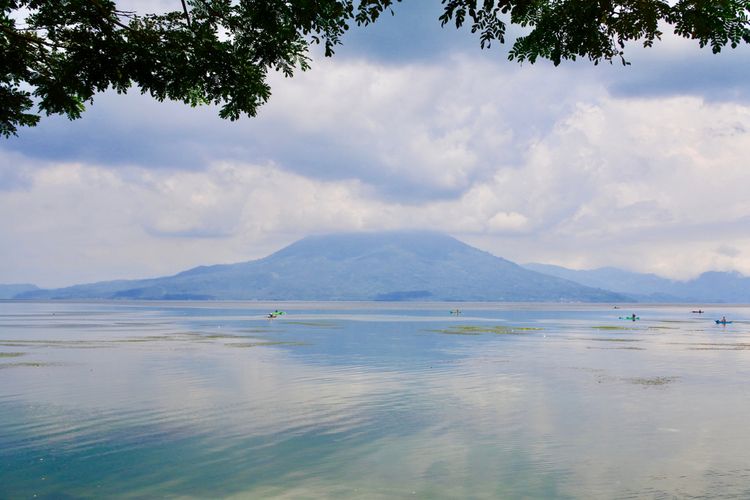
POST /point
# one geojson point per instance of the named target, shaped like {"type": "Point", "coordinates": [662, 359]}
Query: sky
{"type": "Point", "coordinates": [408, 126]}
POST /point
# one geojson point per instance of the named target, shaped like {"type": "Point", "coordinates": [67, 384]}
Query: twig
{"type": "Point", "coordinates": [114, 19]}
{"type": "Point", "coordinates": [28, 37]}
{"type": "Point", "coordinates": [187, 15]}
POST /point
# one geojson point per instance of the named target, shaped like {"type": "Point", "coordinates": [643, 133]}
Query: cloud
{"type": "Point", "coordinates": [556, 165]}
{"type": "Point", "coordinates": [677, 66]}
{"type": "Point", "coordinates": [14, 173]}
{"type": "Point", "coordinates": [645, 184]}
{"type": "Point", "coordinates": [86, 223]}
{"type": "Point", "coordinates": [651, 185]}
{"type": "Point", "coordinates": [412, 34]}
{"type": "Point", "coordinates": [412, 132]}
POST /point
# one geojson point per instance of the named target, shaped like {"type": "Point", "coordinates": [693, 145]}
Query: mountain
{"type": "Point", "coordinates": [10, 291]}
{"type": "Point", "coordinates": [355, 266]}
{"type": "Point", "coordinates": [611, 278]}
{"type": "Point", "coordinates": [713, 286]}
{"type": "Point", "coordinates": [709, 287]}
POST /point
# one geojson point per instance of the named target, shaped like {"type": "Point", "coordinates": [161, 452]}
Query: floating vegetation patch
{"type": "Point", "coordinates": [317, 324]}
{"type": "Point", "coordinates": [630, 348]}
{"type": "Point", "coordinates": [93, 344]}
{"type": "Point", "coordinates": [28, 364]}
{"type": "Point", "coordinates": [79, 325]}
{"type": "Point", "coordinates": [11, 354]}
{"type": "Point", "coordinates": [586, 369]}
{"type": "Point", "coordinates": [613, 340]}
{"type": "Point", "coordinates": [714, 346]}
{"type": "Point", "coordinates": [133, 340]}
{"type": "Point", "coordinates": [450, 331]}
{"type": "Point", "coordinates": [257, 330]}
{"type": "Point", "coordinates": [77, 344]}
{"type": "Point", "coordinates": [479, 330]}
{"type": "Point", "coordinates": [222, 336]}
{"type": "Point", "coordinates": [728, 348]}
{"type": "Point", "coordinates": [136, 323]}
{"type": "Point", "coordinates": [262, 344]}
{"type": "Point", "coordinates": [653, 381]}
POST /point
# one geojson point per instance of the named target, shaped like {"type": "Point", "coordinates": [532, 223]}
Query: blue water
{"type": "Point", "coordinates": [372, 400]}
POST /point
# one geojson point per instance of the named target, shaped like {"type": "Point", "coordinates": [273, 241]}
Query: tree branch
{"type": "Point", "coordinates": [28, 36]}
{"type": "Point", "coordinates": [107, 15]}
{"type": "Point", "coordinates": [187, 15]}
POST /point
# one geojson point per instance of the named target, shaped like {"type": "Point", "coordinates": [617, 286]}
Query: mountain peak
{"type": "Point", "coordinates": [338, 246]}
{"type": "Point", "coordinates": [392, 265]}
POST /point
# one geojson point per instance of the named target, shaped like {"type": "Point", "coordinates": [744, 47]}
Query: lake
{"type": "Point", "coordinates": [372, 400]}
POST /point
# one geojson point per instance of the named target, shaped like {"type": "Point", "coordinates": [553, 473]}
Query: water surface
{"type": "Point", "coordinates": [372, 400]}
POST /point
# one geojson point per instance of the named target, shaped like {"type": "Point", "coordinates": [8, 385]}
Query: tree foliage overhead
{"type": "Point", "coordinates": [55, 55]}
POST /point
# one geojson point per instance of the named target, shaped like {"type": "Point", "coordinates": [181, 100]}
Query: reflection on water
{"type": "Point", "coordinates": [214, 400]}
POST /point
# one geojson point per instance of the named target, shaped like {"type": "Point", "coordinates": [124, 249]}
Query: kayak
{"type": "Point", "coordinates": [719, 322]}
{"type": "Point", "coordinates": [631, 318]}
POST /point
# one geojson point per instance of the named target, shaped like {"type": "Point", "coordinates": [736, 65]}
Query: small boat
{"type": "Point", "coordinates": [275, 314]}
{"type": "Point", "coordinates": [697, 312]}
{"type": "Point", "coordinates": [630, 318]}
{"type": "Point", "coordinates": [456, 311]}
{"type": "Point", "coordinates": [723, 322]}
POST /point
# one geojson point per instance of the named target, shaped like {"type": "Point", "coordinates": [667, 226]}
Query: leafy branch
{"type": "Point", "coordinates": [220, 51]}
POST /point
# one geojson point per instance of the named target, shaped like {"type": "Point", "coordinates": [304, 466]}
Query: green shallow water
{"type": "Point", "coordinates": [371, 400]}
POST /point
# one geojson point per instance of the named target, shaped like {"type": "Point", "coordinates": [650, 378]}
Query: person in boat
{"type": "Point", "coordinates": [723, 319]}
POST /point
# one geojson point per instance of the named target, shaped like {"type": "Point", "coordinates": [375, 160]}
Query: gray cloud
{"type": "Point", "coordinates": [13, 177]}
{"type": "Point", "coordinates": [413, 133]}
{"type": "Point", "coordinates": [679, 67]}
{"type": "Point", "coordinates": [573, 165]}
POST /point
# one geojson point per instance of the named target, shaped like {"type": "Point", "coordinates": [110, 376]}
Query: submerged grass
{"type": "Point", "coordinates": [613, 340]}
{"type": "Point", "coordinates": [317, 324]}
{"type": "Point", "coordinates": [714, 346]}
{"type": "Point", "coordinates": [192, 337]}
{"type": "Point", "coordinates": [727, 348]}
{"type": "Point", "coordinates": [29, 364]}
{"type": "Point", "coordinates": [653, 381]}
{"type": "Point", "coordinates": [630, 348]}
{"type": "Point", "coordinates": [11, 354]}
{"type": "Point", "coordinates": [479, 330]}
{"type": "Point", "coordinates": [77, 344]}
{"type": "Point", "coordinates": [263, 344]}
{"type": "Point", "coordinates": [256, 330]}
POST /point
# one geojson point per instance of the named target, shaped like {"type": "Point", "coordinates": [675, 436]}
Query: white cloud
{"type": "Point", "coordinates": [429, 128]}
{"type": "Point", "coordinates": [643, 183]}
{"type": "Point", "coordinates": [530, 163]}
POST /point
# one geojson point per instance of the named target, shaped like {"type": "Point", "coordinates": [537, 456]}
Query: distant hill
{"type": "Point", "coordinates": [10, 291]}
{"type": "Point", "coordinates": [356, 266]}
{"type": "Point", "coordinates": [709, 287]}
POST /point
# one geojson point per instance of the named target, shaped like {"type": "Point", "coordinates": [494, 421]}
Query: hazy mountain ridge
{"type": "Point", "coordinates": [711, 286]}
{"type": "Point", "coordinates": [356, 266]}
{"type": "Point", "coordinates": [12, 289]}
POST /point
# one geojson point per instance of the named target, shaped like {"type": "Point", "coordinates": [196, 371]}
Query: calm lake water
{"type": "Point", "coordinates": [372, 400]}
